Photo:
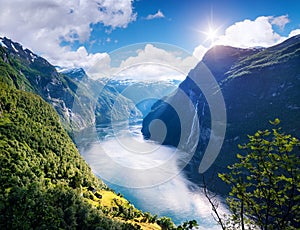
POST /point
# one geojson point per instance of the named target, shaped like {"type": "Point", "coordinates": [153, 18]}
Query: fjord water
{"type": "Point", "coordinates": [149, 175]}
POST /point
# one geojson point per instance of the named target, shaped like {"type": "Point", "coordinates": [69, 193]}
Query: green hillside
{"type": "Point", "coordinates": [42, 173]}
{"type": "Point", "coordinates": [45, 183]}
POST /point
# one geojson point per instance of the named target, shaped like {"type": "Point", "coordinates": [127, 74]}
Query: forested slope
{"type": "Point", "coordinates": [45, 183]}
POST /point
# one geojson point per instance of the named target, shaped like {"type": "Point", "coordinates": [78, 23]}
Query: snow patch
{"type": "Point", "coordinates": [12, 45]}
{"type": "Point", "coordinates": [70, 71]}
{"type": "Point", "coordinates": [33, 56]}
{"type": "Point", "coordinates": [2, 44]}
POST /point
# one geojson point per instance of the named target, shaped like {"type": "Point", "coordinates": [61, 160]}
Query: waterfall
{"type": "Point", "coordinates": [193, 138]}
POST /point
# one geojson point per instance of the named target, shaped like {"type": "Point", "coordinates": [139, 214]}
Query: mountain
{"type": "Point", "coordinates": [80, 101]}
{"type": "Point", "coordinates": [105, 98]}
{"type": "Point", "coordinates": [30, 72]}
{"type": "Point", "coordinates": [142, 93]}
{"type": "Point", "coordinates": [77, 74]}
{"type": "Point", "coordinates": [256, 85]}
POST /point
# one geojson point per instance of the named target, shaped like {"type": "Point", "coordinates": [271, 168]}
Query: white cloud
{"type": "Point", "coordinates": [294, 32]}
{"type": "Point", "coordinates": [280, 21]}
{"type": "Point", "coordinates": [249, 33]}
{"type": "Point", "coordinates": [93, 63]}
{"type": "Point", "coordinates": [150, 71]}
{"type": "Point", "coordinates": [259, 32]}
{"type": "Point", "coordinates": [159, 14]}
{"type": "Point", "coordinates": [161, 61]}
{"type": "Point", "coordinates": [167, 64]}
{"type": "Point", "coordinates": [199, 51]}
{"type": "Point", "coordinates": [148, 62]}
{"type": "Point", "coordinates": [43, 25]}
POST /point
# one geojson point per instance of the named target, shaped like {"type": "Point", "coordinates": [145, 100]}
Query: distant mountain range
{"type": "Point", "coordinates": [257, 85]}
{"type": "Point", "coordinates": [142, 93]}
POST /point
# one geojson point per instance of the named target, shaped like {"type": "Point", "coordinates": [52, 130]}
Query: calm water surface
{"type": "Point", "coordinates": [149, 175]}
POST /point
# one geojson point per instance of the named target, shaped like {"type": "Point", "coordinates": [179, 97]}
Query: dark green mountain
{"type": "Point", "coordinates": [29, 72]}
{"type": "Point", "coordinates": [79, 100]}
{"type": "Point", "coordinates": [258, 85]}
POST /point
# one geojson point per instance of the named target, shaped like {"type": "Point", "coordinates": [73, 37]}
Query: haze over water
{"type": "Point", "coordinates": [149, 175]}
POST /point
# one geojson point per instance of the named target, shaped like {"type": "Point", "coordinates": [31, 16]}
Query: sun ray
{"type": "Point", "coordinates": [211, 34]}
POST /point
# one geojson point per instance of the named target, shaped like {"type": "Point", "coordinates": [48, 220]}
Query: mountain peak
{"type": "Point", "coordinates": [223, 53]}
{"type": "Point", "coordinates": [17, 49]}
{"type": "Point", "coordinates": [9, 44]}
{"type": "Point", "coordinates": [219, 59]}
{"type": "Point", "coordinates": [77, 74]}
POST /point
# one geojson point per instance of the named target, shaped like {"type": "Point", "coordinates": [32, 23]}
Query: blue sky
{"type": "Point", "coordinates": [183, 21]}
{"type": "Point", "coordinates": [89, 33]}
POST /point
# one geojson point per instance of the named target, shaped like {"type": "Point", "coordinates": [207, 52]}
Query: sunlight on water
{"type": "Point", "coordinates": [149, 175]}
{"type": "Point", "coordinates": [148, 157]}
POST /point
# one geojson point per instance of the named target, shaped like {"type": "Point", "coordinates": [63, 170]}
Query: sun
{"type": "Point", "coordinates": [211, 34]}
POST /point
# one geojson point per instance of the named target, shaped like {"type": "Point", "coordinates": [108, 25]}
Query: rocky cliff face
{"type": "Point", "coordinates": [257, 85]}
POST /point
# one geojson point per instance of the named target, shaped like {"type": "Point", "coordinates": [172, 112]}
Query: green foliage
{"type": "Point", "coordinates": [34, 145]}
{"type": "Point", "coordinates": [188, 225]}
{"type": "Point", "coordinates": [165, 223]}
{"type": "Point", "coordinates": [40, 77]}
{"type": "Point", "coordinates": [41, 172]}
{"type": "Point", "coordinates": [11, 71]}
{"type": "Point", "coordinates": [265, 182]}
{"type": "Point", "coordinates": [60, 207]}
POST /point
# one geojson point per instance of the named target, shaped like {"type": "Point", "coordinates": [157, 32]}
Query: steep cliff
{"type": "Point", "coordinates": [257, 85]}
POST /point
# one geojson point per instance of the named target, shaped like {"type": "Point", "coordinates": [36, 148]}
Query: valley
{"type": "Point", "coordinates": [149, 141]}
